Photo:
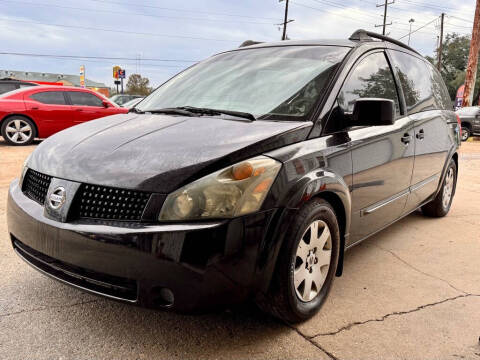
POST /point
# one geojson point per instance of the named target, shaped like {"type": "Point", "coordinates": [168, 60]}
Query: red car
{"type": "Point", "coordinates": [41, 111]}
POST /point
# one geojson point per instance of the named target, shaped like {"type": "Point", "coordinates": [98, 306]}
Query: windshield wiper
{"type": "Point", "coordinates": [168, 111]}
{"type": "Point", "coordinates": [135, 110]}
{"type": "Point", "coordinates": [209, 111]}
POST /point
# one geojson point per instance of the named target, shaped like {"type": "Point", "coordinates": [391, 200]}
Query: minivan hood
{"type": "Point", "coordinates": [157, 153]}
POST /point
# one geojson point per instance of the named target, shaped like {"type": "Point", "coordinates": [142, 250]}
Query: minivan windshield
{"type": "Point", "coordinates": [280, 83]}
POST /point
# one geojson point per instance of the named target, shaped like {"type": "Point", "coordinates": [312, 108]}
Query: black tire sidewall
{"type": "Point", "coordinates": [318, 210]}
{"type": "Point", "coordinates": [4, 131]}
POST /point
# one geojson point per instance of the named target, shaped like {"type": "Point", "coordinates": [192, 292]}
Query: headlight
{"type": "Point", "coordinates": [236, 190]}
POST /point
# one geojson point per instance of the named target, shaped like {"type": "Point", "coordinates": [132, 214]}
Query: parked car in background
{"type": "Point", "coordinates": [41, 111]}
{"type": "Point", "coordinates": [130, 104]}
{"type": "Point", "coordinates": [223, 185]}
{"type": "Point", "coordinates": [7, 85]}
{"type": "Point", "coordinates": [470, 119]}
{"type": "Point", "coordinates": [121, 99]}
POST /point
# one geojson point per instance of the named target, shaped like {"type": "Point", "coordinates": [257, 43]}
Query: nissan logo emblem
{"type": "Point", "coordinates": [57, 198]}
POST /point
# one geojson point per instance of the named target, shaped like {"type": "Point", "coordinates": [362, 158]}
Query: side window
{"type": "Point", "coordinates": [416, 82]}
{"type": "Point", "coordinates": [49, 97]}
{"type": "Point", "coordinates": [439, 90]}
{"type": "Point", "coordinates": [370, 78]}
{"type": "Point", "coordinates": [84, 99]}
{"type": "Point", "coordinates": [7, 87]}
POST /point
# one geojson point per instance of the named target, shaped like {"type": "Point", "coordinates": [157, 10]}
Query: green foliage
{"type": "Point", "coordinates": [455, 53]}
{"type": "Point", "coordinates": [138, 85]}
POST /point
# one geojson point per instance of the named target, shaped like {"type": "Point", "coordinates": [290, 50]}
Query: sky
{"type": "Point", "coordinates": [158, 38]}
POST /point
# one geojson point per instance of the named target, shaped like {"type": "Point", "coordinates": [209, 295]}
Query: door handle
{"type": "Point", "coordinates": [79, 109]}
{"type": "Point", "coordinates": [420, 135]}
{"type": "Point", "coordinates": [34, 108]}
{"type": "Point", "coordinates": [406, 138]}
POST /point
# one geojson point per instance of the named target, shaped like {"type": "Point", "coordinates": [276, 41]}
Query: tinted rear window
{"type": "Point", "coordinates": [49, 97]}
{"type": "Point", "coordinates": [25, 85]}
{"type": "Point", "coordinates": [84, 99]}
{"type": "Point", "coordinates": [7, 87]}
{"type": "Point", "coordinates": [416, 82]}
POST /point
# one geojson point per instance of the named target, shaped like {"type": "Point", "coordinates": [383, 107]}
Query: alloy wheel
{"type": "Point", "coordinates": [18, 131]}
{"type": "Point", "coordinates": [448, 188]}
{"type": "Point", "coordinates": [465, 134]}
{"type": "Point", "coordinates": [312, 260]}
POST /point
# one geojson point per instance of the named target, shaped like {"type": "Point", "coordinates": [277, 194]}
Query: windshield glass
{"type": "Point", "coordinates": [271, 83]}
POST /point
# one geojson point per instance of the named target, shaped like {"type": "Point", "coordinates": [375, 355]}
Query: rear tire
{"type": "Point", "coordinates": [466, 133]}
{"type": "Point", "coordinates": [440, 206]}
{"type": "Point", "coordinates": [305, 261]}
{"type": "Point", "coordinates": [18, 130]}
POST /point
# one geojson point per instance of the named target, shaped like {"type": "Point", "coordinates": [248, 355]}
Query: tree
{"type": "Point", "coordinates": [378, 85]}
{"type": "Point", "coordinates": [454, 63]}
{"type": "Point", "coordinates": [138, 85]}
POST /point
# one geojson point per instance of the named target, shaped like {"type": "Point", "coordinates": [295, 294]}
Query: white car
{"type": "Point", "coordinates": [130, 104]}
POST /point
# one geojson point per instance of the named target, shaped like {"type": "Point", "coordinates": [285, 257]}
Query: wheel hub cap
{"type": "Point", "coordinates": [18, 131]}
{"type": "Point", "coordinates": [312, 260]}
{"type": "Point", "coordinates": [448, 188]}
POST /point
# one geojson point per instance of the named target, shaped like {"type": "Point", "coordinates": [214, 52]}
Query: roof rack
{"type": "Point", "coordinates": [249, 43]}
{"type": "Point", "coordinates": [364, 35]}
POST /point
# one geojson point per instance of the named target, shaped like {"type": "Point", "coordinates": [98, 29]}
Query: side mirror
{"type": "Point", "coordinates": [373, 112]}
{"type": "Point", "coordinates": [105, 104]}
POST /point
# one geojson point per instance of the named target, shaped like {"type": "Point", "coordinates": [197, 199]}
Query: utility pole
{"type": "Point", "coordinates": [440, 45]}
{"type": "Point", "coordinates": [411, 21]}
{"type": "Point", "coordinates": [472, 60]}
{"type": "Point", "coordinates": [385, 5]}
{"type": "Point", "coordinates": [285, 20]}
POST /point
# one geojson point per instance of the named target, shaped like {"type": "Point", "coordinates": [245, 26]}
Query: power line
{"type": "Point", "coordinates": [110, 63]}
{"type": "Point", "coordinates": [416, 5]}
{"type": "Point", "coordinates": [328, 11]}
{"type": "Point", "coordinates": [395, 27]}
{"type": "Point", "coordinates": [432, 7]}
{"type": "Point", "coordinates": [118, 31]}
{"type": "Point", "coordinates": [461, 19]}
{"type": "Point", "coordinates": [80, 57]}
{"type": "Point", "coordinates": [343, 16]}
{"type": "Point", "coordinates": [133, 14]}
{"type": "Point", "coordinates": [421, 27]}
{"type": "Point", "coordinates": [182, 10]}
{"type": "Point", "coordinates": [340, 6]}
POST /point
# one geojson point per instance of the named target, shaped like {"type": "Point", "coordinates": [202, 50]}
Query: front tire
{"type": "Point", "coordinates": [466, 133]}
{"type": "Point", "coordinates": [306, 265]}
{"type": "Point", "coordinates": [18, 130]}
{"type": "Point", "coordinates": [440, 206]}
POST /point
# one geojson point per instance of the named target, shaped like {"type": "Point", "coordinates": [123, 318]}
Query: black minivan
{"type": "Point", "coordinates": [247, 175]}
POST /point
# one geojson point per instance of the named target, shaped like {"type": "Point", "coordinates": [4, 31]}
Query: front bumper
{"type": "Point", "coordinates": [203, 264]}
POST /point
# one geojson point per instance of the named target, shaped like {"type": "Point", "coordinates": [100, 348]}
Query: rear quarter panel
{"type": "Point", "coordinates": [11, 107]}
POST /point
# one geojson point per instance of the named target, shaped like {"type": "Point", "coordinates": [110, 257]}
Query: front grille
{"type": "Point", "coordinates": [35, 185]}
{"type": "Point", "coordinates": [102, 202]}
{"type": "Point", "coordinates": [108, 285]}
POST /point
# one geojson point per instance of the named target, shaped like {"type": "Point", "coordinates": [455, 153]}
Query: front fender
{"type": "Point", "coordinates": [318, 183]}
